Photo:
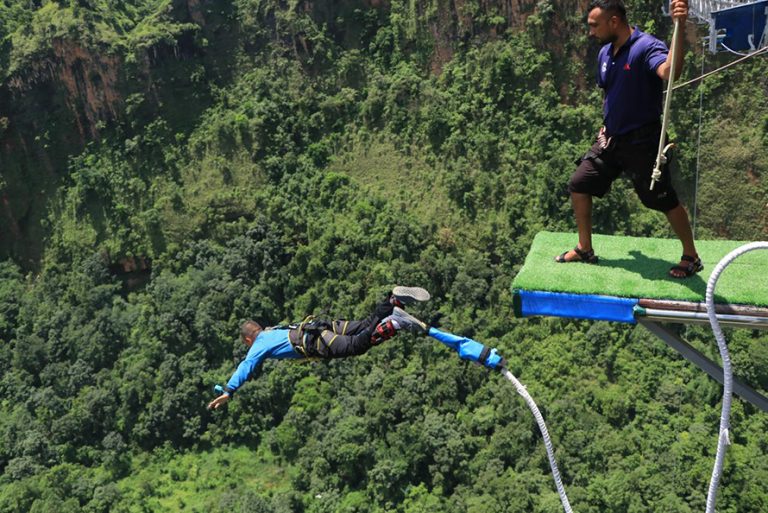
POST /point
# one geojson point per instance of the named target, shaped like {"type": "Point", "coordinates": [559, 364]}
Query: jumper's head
{"type": "Point", "coordinates": [605, 19]}
{"type": "Point", "coordinates": [249, 330]}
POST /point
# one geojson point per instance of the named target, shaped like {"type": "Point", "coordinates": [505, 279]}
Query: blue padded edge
{"type": "Point", "coordinates": [576, 306]}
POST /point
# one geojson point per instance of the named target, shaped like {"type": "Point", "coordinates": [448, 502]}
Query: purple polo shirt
{"type": "Point", "coordinates": [633, 91]}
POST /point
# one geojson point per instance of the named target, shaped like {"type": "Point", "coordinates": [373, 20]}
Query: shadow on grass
{"type": "Point", "coordinates": [655, 269]}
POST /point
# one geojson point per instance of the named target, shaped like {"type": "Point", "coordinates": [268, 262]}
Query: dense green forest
{"type": "Point", "coordinates": [169, 168]}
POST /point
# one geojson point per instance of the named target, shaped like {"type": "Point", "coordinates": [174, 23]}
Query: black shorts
{"type": "Point", "coordinates": [600, 167]}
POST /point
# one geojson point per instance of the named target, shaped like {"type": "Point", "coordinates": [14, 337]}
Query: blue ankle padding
{"type": "Point", "coordinates": [467, 348]}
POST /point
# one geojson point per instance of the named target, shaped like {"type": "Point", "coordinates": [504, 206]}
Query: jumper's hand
{"type": "Point", "coordinates": [219, 401]}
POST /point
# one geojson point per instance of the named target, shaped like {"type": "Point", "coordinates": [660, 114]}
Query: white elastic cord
{"type": "Point", "coordinates": [544, 434]}
{"type": "Point", "coordinates": [661, 158]}
{"type": "Point", "coordinates": [724, 438]}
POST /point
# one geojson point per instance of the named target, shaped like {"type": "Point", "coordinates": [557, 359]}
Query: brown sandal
{"type": "Point", "coordinates": [588, 257]}
{"type": "Point", "coordinates": [694, 266]}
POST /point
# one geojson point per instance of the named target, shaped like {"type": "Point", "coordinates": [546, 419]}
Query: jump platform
{"type": "Point", "coordinates": [631, 284]}
{"type": "Point", "coordinates": [631, 281]}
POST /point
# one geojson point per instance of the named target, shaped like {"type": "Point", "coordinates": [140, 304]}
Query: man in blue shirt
{"type": "Point", "coordinates": [632, 66]}
{"type": "Point", "coordinates": [317, 338]}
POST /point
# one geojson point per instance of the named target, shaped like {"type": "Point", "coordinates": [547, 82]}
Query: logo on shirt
{"type": "Point", "coordinates": [604, 68]}
{"type": "Point", "coordinates": [626, 67]}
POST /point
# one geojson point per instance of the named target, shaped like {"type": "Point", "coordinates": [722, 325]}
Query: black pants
{"type": "Point", "coordinates": [598, 169]}
{"type": "Point", "coordinates": [339, 338]}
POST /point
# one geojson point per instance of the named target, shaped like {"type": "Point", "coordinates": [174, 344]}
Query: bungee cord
{"type": "Point", "coordinates": [544, 434]}
{"type": "Point", "coordinates": [723, 439]}
{"type": "Point", "coordinates": [734, 52]}
{"type": "Point", "coordinates": [475, 351]}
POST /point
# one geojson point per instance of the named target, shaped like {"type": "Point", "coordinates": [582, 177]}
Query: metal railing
{"type": "Point", "coordinates": [701, 10]}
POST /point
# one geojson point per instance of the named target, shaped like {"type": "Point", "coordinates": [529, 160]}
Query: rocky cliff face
{"type": "Point", "coordinates": [87, 82]}
{"type": "Point", "coordinates": [79, 89]}
{"type": "Point", "coordinates": [60, 101]}
{"type": "Point", "coordinates": [51, 110]}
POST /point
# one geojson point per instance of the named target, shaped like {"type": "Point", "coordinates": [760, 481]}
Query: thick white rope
{"type": "Point", "coordinates": [661, 157]}
{"type": "Point", "coordinates": [544, 434]}
{"type": "Point", "coordinates": [725, 415]}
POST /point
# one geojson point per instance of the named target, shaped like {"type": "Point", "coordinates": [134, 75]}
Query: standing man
{"type": "Point", "coordinates": [632, 66]}
{"type": "Point", "coordinates": [318, 338]}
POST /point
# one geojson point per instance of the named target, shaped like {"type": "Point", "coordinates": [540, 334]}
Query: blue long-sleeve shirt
{"type": "Point", "coordinates": [268, 344]}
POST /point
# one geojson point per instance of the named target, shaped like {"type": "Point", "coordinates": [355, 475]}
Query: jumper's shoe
{"type": "Point", "coordinates": [402, 296]}
{"type": "Point", "coordinates": [402, 320]}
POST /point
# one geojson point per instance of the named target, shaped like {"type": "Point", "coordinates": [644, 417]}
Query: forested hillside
{"type": "Point", "coordinates": [169, 168]}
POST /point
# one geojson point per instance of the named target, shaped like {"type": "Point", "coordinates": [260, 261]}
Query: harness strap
{"type": "Point", "coordinates": [312, 330]}
{"type": "Point", "coordinates": [322, 339]}
{"type": "Point", "coordinates": [484, 355]}
{"type": "Point", "coordinates": [298, 336]}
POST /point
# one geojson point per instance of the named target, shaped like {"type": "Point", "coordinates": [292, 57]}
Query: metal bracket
{"type": "Point", "coordinates": [702, 362]}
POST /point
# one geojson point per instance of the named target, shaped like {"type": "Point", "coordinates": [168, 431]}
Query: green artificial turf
{"type": "Point", "coordinates": [637, 268]}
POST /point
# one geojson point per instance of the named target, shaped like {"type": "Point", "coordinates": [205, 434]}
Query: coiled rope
{"type": "Point", "coordinates": [544, 434]}
{"type": "Point", "coordinates": [723, 439]}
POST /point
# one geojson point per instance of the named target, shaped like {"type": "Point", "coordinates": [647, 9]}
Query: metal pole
{"type": "Point", "coordinates": [739, 321]}
{"type": "Point", "coordinates": [713, 370]}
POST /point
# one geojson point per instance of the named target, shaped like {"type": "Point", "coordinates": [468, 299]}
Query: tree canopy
{"type": "Point", "coordinates": [210, 162]}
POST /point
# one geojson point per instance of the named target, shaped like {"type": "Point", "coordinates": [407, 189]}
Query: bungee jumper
{"type": "Point", "coordinates": [324, 339]}
{"type": "Point", "coordinates": [632, 66]}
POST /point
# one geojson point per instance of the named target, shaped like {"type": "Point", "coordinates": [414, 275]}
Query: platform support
{"type": "Point", "coordinates": [702, 362]}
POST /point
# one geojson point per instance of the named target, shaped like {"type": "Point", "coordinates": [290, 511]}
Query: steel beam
{"type": "Point", "coordinates": [702, 362]}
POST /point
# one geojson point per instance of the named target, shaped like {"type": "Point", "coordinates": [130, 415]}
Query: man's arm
{"type": "Point", "coordinates": [679, 10]}
{"type": "Point", "coordinates": [244, 371]}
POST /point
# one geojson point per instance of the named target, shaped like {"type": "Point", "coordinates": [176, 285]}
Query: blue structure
{"type": "Point", "coordinates": [744, 26]}
{"type": "Point", "coordinates": [469, 349]}
{"type": "Point", "coordinates": [648, 312]}
{"type": "Point", "coordinates": [574, 306]}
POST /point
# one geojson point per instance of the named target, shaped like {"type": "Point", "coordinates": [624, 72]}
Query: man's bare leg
{"type": "Point", "coordinates": [582, 210]}
{"type": "Point", "coordinates": [678, 219]}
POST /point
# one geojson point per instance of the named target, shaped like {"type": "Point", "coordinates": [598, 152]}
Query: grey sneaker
{"type": "Point", "coordinates": [406, 295]}
{"type": "Point", "coordinates": [402, 320]}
